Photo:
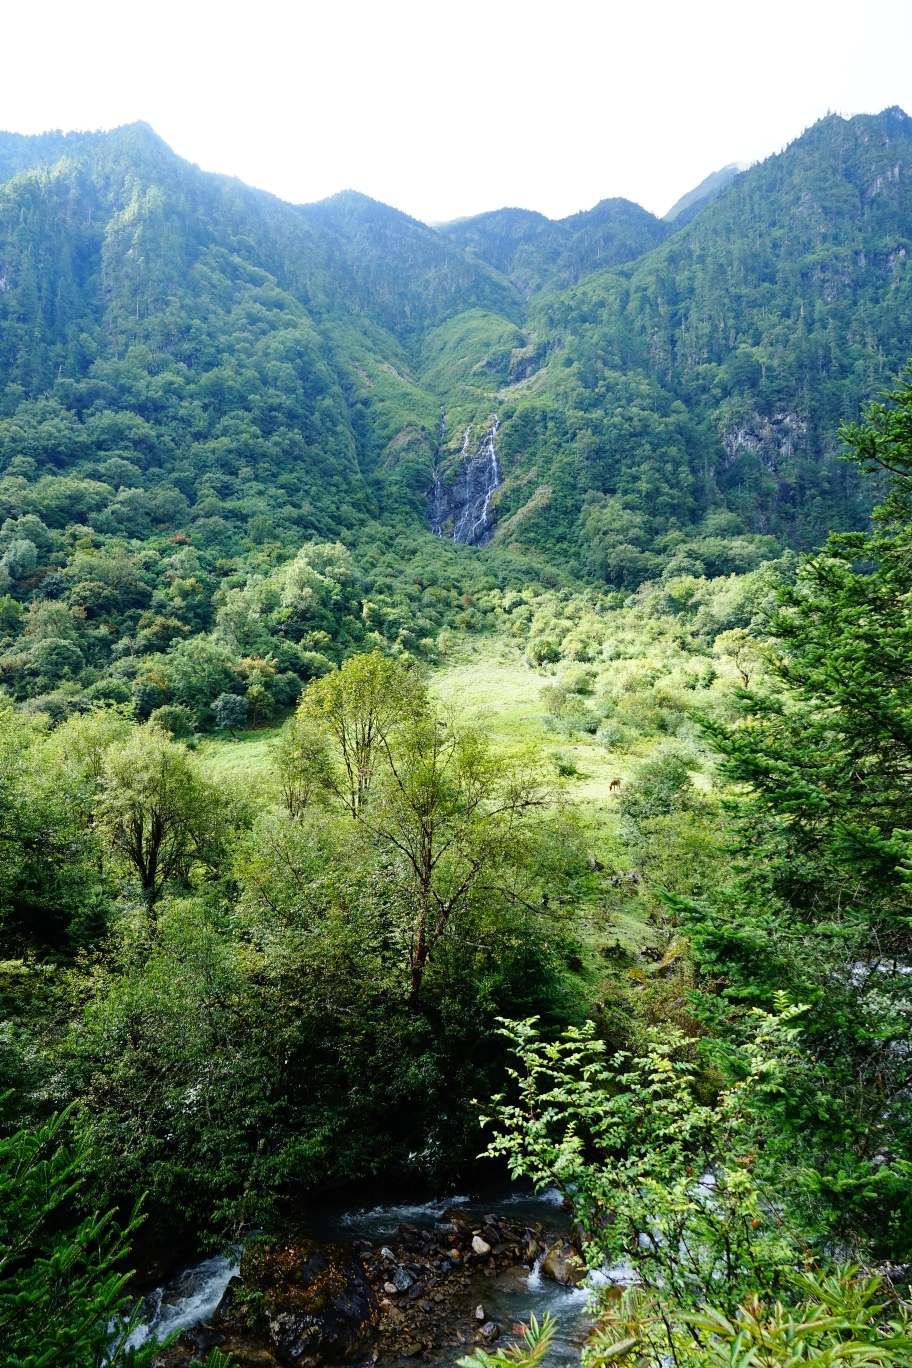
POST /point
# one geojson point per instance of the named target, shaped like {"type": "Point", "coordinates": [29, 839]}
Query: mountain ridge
{"type": "Point", "coordinates": [186, 360]}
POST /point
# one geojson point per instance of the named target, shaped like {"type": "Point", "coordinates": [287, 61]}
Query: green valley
{"type": "Point", "coordinates": [454, 698]}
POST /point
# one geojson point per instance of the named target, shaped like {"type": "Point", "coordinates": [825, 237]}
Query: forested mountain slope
{"type": "Point", "coordinates": [540, 253]}
{"type": "Point", "coordinates": [197, 379]}
{"type": "Point", "coordinates": [714, 372]}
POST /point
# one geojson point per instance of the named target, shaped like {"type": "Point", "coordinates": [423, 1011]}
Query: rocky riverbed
{"type": "Point", "coordinates": [427, 1292]}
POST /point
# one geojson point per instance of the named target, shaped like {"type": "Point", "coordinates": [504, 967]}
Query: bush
{"type": "Point", "coordinates": [175, 719]}
{"type": "Point", "coordinates": [662, 787]}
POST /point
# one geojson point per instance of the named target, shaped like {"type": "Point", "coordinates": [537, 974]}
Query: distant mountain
{"type": "Point", "coordinates": [715, 372]}
{"type": "Point", "coordinates": [684, 209]}
{"type": "Point", "coordinates": [538, 253]}
{"type": "Point", "coordinates": [197, 378]}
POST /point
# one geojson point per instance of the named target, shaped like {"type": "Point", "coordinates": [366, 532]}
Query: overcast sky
{"type": "Point", "coordinates": [446, 109]}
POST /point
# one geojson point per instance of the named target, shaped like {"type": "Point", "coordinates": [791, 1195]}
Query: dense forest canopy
{"type": "Point", "coordinates": [301, 802]}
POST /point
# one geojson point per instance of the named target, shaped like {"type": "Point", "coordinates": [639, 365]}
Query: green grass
{"type": "Point", "coordinates": [246, 758]}
{"type": "Point", "coordinates": [493, 686]}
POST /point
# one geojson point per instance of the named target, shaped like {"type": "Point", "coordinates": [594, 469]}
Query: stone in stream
{"type": "Point", "coordinates": [560, 1263]}
{"type": "Point", "coordinates": [309, 1306]}
{"type": "Point", "coordinates": [312, 1302]}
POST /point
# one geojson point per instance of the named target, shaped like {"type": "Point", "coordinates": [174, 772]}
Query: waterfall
{"type": "Point", "coordinates": [468, 502]}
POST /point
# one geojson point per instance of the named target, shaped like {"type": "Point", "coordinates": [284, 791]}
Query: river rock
{"type": "Point", "coordinates": [313, 1301]}
{"type": "Point", "coordinates": [480, 1246]}
{"type": "Point", "coordinates": [556, 1264]}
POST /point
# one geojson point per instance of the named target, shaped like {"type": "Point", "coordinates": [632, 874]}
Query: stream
{"type": "Point", "coordinates": [509, 1296]}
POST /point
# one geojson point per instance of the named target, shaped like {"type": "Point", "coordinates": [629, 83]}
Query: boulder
{"type": "Point", "coordinates": [315, 1303]}
{"type": "Point", "coordinates": [455, 1217]}
{"type": "Point", "coordinates": [556, 1264]}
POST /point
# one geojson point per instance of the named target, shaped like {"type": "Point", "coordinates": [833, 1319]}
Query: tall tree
{"type": "Point", "coordinates": [822, 757]}
{"type": "Point", "coordinates": [156, 810]}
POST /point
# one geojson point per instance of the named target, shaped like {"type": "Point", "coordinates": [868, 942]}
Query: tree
{"type": "Point", "coordinates": [230, 712]}
{"type": "Point", "coordinates": [302, 763]}
{"type": "Point", "coordinates": [156, 810]}
{"type": "Point", "coordinates": [358, 705]}
{"type": "Point", "coordinates": [456, 814]}
{"type": "Point", "coordinates": [63, 1288]}
{"type": "Point", "coordinates": [821, 757]}
{"type": "Point", "coordinates": [450, 814]}
{"type": "Point", "coordinates": [50, 855]}
{"type": "Point", "coordinates": [174, 719]}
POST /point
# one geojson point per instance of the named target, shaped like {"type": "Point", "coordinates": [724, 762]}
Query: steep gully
{"type": "Point", "coordinates": [468, 501]}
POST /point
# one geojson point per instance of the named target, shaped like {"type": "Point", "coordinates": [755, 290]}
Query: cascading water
{"type": "Point", "coordinates": [510, 1296]}
{"type": "Point", "coordinates": [469, 501]}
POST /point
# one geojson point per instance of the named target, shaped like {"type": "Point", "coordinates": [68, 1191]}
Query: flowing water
{"type": "Point", "coordinates": [510, 1296]}
{"type": "Point", "coordinates": [187, 1299]}
{"type": "Point", "coordinates": [469, 502]}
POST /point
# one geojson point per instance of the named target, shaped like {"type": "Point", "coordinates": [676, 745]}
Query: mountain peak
{"type": "Point", "coordinates": [706, 190]}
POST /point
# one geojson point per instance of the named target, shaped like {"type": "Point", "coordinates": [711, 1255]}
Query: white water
{"type": "Point", "coordinates": [512, 1296]}
{"type": "Point", "coordinates": [189, 1298]}
{"type": "Point", "coordinates": [471, 511]}
{"type": "Point", "coordinates": [488, 453]}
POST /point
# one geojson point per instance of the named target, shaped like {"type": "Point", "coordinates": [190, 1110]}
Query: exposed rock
{"type": "Point", "coordinates": [313, 1301]}
{"type": "Point", "coordinates": [557, 1264]}
{"type": "Point", "coordinates": [465, 511]}
{"type": "Point", "coordinates": [304, 1305]}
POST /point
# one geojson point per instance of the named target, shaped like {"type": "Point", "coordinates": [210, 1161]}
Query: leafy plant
{"type": "Point", "coordinates": [659, 1180]}
{"type": "Point", "coordinates": [63, 1298]}
{"type": "Point", "coordinates": [833, 1319]}
{"type": "Point", "coordinates": [534, 1346]}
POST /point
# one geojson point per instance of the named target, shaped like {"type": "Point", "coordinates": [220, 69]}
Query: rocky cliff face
{"type": "Point", "coordinates": [464, 511]}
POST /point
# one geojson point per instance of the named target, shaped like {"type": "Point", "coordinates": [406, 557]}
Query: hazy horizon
{"type": "Point", "coordinates": [455, 111]}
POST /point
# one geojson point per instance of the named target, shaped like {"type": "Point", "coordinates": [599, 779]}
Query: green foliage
{"type": "Point", "coordinates": [536, 1343]}
{"type": "Point", "coordinates": [662, 787]}
{"type": "Point", "coordinates": [358, 706]}
{"type": "Point", "coordinates": [63, 1298]}
{"type": "Point", "coordinates": [157, 811]}
{"type": "Point", "coordinates": [656, 1177]}
{"type": "Point", "coordinates": [835, 1321]}
{"type": "Point", "coordinates": [820, 752]}
{"type": "Point", "coordinates": [50, 891]}
{"type": "Point", "coordinates": [229, 711]}
{"type": "Point", "coordinates": [680, 1193]}
{"type": "Point", "coordinates": [175, 720]}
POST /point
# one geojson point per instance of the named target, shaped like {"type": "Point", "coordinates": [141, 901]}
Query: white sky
{"type": "Point", "coordinates": [445, 108]}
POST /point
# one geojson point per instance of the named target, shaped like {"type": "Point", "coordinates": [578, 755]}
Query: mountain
{"type": "Point", "coordinates": [703, 386]}
{"type": "Point", "coordinates": [538, 253]}
{"type": "Point", "coordinates": [684, 209]}
{"type": "Point", "coordinates": [197, 380]}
